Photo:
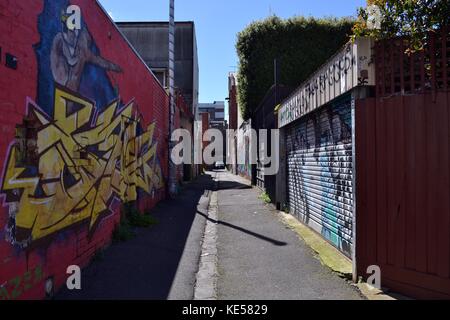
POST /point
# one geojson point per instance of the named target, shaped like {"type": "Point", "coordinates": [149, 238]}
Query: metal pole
{"type": "Point", "coordinates": [172, 167]}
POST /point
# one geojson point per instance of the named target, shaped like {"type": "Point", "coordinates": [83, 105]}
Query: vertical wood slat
{"type": "Point", "coordinates": [378, 71]}
{"type": "Point", "coordinates": [422, 70]}
{"type": "Point", "coordinates": [390, 177]}
{"type": "Point", "coordinates": [420, 182]}
{"type": "Point", "coordinates": [444, 58]}
{"type": "Point", "coordinates": [400, 187]}
{"type": "Point", "coordinates": [433, 64]}
{"type": "Point", "coordinates": [443, 186]}
{"type": "Point", "coordinates": [411, 71]}
{"type": "Point", "coordinates": [402, 67]}
{"type": "Point", "coordinates": [432, 155]}
{"type": "Point", "coordinates": [410, 165]}
{"type": "Point", "coordinates": [392, 48]}
{"type": "Point", "coordinates": [371, 173]}
{"type": "Point", "coordinates": [383, 70]}
{"type": "Point", "coordinates": [380, 146]}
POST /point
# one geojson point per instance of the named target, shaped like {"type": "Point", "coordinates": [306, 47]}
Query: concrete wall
{"type": "Point", "coordinates": [65, 168]}
{"type": "Point", "coordinates": [151, 41]}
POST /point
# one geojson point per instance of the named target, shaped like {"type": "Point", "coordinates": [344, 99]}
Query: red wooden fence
{"type": "Point", "coordinates": [403, 170]}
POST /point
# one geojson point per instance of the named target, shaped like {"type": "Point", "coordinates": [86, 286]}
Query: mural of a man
{"type": "Point", "coordinates": [71, 51]}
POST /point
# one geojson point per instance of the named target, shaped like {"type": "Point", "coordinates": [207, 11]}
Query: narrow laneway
{"type": "Point", "coordinates": [259, 258]}
{"type": "Point", "coordinates": [161, 261]}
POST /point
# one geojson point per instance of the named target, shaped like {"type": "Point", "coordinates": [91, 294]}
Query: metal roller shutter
{"type": "Point", "coordinates": [320, 174]}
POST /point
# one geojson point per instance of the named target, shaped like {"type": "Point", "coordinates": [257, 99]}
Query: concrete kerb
{"type": "Point", "coordinates": [206, 278]}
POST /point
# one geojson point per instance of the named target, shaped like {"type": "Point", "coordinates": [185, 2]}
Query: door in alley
{"type": "Point", "coordinates": [319, 172]}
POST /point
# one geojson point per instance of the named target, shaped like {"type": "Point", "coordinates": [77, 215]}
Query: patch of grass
{"type": "Point", "coordinates": [265, 197]}
{"type": "Point", "coordinates": [99, 255]}
{"type": "Point", "coordinates": [142, 220]}
{"type": "Point", "coordinates": [123, 232]}
{"type": "Point", "coordinates": [137, 218]}
{"type": "Point", "coordinates": [131, 217]}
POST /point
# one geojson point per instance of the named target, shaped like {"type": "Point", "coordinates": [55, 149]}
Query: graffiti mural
{"type": "Point", "coordinates": [71, 58]}
{"type": "Point", "coordinates": [84, 131]}
{"type": "Point", "coordinates": [320, 172]}
{"type": "Point", "coordinates": [85, 159]}
{"type": "Point", "coordinates": [79, 147]}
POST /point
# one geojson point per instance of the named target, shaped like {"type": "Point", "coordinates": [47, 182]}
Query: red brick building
{"type": "Point", "coordinates": [84, 129]}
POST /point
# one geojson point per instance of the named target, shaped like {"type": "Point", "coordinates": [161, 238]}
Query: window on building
{"type": "Point", "coordinates": [161, 75]}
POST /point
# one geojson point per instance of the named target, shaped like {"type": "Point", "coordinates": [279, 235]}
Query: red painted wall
{"type": "Point", "coordinates": [24, 270]}
{"type": "Point", "coordinates": [233, 107]}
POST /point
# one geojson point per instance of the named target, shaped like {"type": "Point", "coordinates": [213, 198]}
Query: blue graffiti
{"type": "Point", "coordinates": [93, 81]}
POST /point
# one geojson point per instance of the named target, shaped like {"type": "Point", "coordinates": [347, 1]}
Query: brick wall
{"type": "Point", "coordinates": [100, 120]}
{"type": "Point", "coordinates": [233, 107]}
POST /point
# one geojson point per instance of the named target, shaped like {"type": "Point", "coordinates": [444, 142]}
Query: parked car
{"type": "Point", "coordinates": [219, 165]}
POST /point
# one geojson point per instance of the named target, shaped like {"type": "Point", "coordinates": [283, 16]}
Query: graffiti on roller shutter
{"type": "Point", "coordinates": [320, 171]}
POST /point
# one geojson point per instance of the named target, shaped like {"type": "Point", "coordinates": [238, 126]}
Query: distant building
{"type": "Point", "coordinates": [150, 39]}
{"type": "Point", "coordinates": [239, 144]}
{"type": "Point", "coordinates": [216, 112]}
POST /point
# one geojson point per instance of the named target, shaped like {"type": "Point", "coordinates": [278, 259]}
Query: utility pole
{"type": "Point", "coordinates": [172, 167]}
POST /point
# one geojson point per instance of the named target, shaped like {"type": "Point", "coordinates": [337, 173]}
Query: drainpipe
{"type": "Point", "coordinates": [172, 168]}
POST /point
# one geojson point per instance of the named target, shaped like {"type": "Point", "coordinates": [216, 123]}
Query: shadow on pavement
{"type": "Point", "coordinates": [234, 185]}
{"type": "Point", "coordinates": [254, 234]}
{"type": "Point", "coordinates": [145, 266]}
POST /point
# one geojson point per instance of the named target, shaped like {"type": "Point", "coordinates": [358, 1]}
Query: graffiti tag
{"type": "Point", "coordinates": [17, 286]}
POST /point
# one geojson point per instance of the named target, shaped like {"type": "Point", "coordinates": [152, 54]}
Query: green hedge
{"type": "Point", "coordinates": [301, 45]}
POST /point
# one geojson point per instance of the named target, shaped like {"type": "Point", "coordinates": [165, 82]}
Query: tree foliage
{"type": "Point", "coordinates": [410, 18]}
{"type": "Point", "coordinates": [300, 44]}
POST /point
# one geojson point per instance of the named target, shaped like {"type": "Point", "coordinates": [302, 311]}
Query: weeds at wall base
{"type": "Point", "coordinates": [265, 197]}
{"type": "Point", "coordinates": [132, 218]}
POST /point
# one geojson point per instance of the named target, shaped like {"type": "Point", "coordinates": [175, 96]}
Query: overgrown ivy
{"type": "Point", "coordinates": [300, 44]}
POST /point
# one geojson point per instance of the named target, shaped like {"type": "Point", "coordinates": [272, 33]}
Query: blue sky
{"type": "Point", "coordinates": [217, 23]}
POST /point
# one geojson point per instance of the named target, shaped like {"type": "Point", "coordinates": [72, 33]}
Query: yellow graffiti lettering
{"type": "Point", "coordinates": [86, 159]}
